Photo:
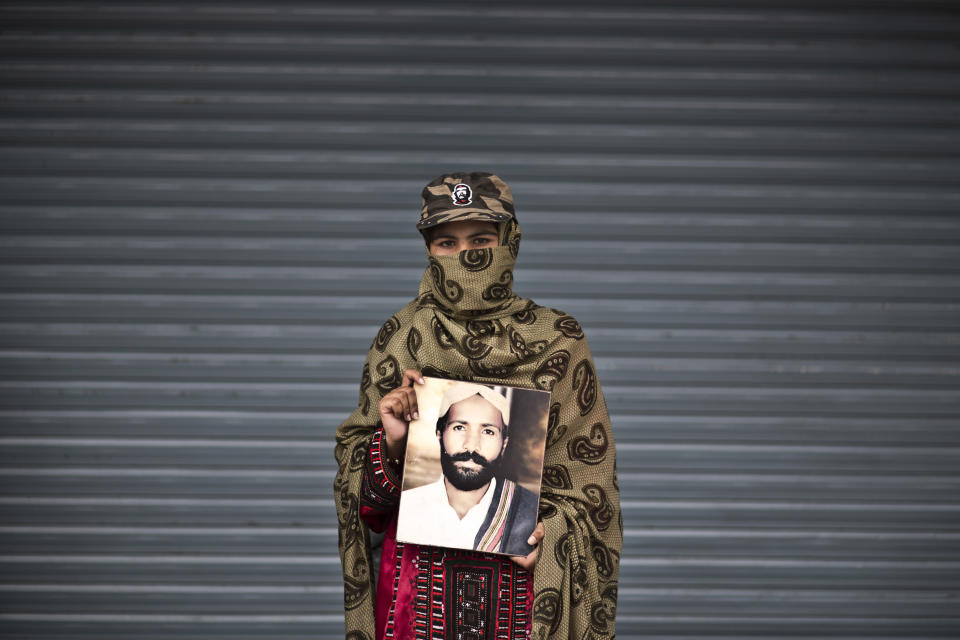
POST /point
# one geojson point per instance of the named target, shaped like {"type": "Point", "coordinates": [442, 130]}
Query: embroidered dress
{"type": "Point", "coordinates": [431, 592]}
{"type": "Point", "coordinates": [466, 323]}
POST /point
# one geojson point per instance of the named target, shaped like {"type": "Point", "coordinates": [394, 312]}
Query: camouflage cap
{"type": "Point", "coordinates": [465, 196]}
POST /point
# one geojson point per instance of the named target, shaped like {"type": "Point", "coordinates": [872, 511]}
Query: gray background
{"type": "Point", "coordinates": [751, 206]}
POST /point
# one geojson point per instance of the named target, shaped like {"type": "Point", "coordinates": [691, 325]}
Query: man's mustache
{"type": "Point", "coordinates": [470, 456]}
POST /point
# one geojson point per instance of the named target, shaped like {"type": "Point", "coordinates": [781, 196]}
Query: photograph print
{"type": "Point", "coordinates": [473, 465]}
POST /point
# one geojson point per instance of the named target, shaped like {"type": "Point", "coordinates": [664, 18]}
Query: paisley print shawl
{"type": "Point", "coordinates": [467, 324]}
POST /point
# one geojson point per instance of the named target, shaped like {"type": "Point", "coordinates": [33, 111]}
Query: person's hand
{"type": "Point", "coordinates": [397, 409]}
{"type": "Point", "coordinates": [530, 559]}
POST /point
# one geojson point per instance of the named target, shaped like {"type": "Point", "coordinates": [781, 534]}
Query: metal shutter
{"type": "Point", "coordinates": [751, 206]}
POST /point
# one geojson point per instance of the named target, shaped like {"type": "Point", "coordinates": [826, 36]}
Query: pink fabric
{"type": "Point", "coordinates": [405, 587]}
{"type": "Point", "coordinates": [403, 615]}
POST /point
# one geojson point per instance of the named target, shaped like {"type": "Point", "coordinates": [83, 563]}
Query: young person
{"type": "Point", "coordinates": [467, 324]}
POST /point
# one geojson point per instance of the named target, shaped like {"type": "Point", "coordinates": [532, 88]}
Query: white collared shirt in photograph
{"type": "Point", "coordinates": [426, 517]}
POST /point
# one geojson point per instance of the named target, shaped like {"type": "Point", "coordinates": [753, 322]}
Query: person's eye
{"type": "Point", "coordinates": [482, 241]}
{"type": "Point", "coordinates": [457, 427]}
{"type": "Point", "coordinates": [490, 432]}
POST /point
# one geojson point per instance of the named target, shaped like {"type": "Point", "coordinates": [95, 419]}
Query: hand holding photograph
{"type": "Point", "coordinates": [473, 465]}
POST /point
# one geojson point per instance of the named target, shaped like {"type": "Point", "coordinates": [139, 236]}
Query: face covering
{"type": "Point", "coordinates": [476, 283]}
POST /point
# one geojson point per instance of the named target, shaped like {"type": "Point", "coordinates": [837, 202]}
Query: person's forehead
{"type": "Point", "coordinates": [463, 227]}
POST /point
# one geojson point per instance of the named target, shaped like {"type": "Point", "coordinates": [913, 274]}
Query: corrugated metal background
{"type": "Point", "coordinates": [751, 207]}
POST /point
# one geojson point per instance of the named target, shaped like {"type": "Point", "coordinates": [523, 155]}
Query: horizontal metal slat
{"type": "Point", "coordinates": [707, 514]}
{"type": "Point", "coordinates": [629, 424]}
{"type": "Point", "coordinates": [581, 283]}
{"type": "Point", "coordinates": [490, 107]}
{"type": "Point", "coordinates": [591, 311]}
{"type": "Point", "coordinates": [746, 78]}
{"type": "Point", "coordinates": [769, 371]}
{"type": "Point", "coordinates": [639, 543]}
{"type": "Point", "coordinates": [885, 18]}
{"type": "Point", "coordinates": [543, 254]}
{"type": "Point", "coordinates": [752, 197]}
{"type": "Point", "coordinates": [266, 165]}
{"type": "Point", "coordinates": [49, 341]}
{"type": "Point", "coordinates": [254, 482]}
{"type": "Point", "coordinates": [541, 226]}
{"type": "Point", "coordinates": [701, 399]}
{"type": "Point", "coordinates": [318, 454]}
{"type": "Point", "coordinates": [368, 45]}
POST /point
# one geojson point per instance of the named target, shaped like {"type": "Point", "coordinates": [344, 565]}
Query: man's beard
{"type": "Point", "coordinates": [467, 479]}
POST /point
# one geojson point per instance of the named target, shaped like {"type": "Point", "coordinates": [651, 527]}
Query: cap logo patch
{"type": "Point", "coordinates": [461, 195]}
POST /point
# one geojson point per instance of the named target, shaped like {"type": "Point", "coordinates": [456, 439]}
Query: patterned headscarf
{"type": "Point", "coordinates": [467, 324]}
